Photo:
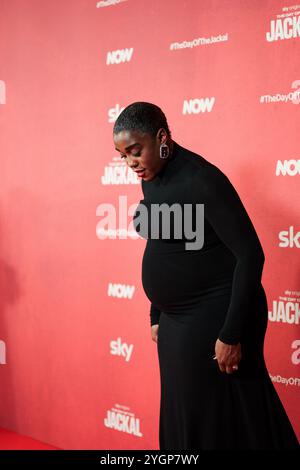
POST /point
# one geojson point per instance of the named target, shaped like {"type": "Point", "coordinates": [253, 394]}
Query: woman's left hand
{"type": "Point", "coordinates": [228, 356]}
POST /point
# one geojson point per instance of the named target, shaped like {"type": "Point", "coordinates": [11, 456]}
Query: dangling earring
{"type": "Point", "coordinates": [164, 151]}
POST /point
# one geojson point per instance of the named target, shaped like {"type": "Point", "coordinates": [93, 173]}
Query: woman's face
{"type": "Point", "coordinates": [141, 151]}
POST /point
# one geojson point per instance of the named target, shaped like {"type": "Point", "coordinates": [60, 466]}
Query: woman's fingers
{"type": "Point", "coordinates": [228, 368]}
{"type": "Point", "coordinates": [231, 369]}
{"type": "Point", "coordinates": [154, 332]}
{"type": "Point", "coordinates": [228, 356]}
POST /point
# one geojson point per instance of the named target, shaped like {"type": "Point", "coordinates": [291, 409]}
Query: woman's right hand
{"type": "Point", "coordinates": [154, 332]}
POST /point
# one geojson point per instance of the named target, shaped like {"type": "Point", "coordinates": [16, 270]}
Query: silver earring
{"type": "Point", "coordinates": [164, 151]}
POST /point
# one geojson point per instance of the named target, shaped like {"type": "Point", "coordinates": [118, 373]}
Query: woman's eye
{"type": "Point", "coordinates": [134, 155]}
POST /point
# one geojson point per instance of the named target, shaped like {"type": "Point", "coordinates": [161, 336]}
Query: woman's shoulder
{"type": "Point", "coordinates": [198, 165]}
{"type": "Point", "coordinates": [189, 155]}
{"type": "Point", "coordinates": [204, 178]}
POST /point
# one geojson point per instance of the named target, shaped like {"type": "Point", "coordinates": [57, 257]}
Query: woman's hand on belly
{"type": "Point", "coordinates": [228, 356]}
{"type": "Point", "coordinates": [154, 332]}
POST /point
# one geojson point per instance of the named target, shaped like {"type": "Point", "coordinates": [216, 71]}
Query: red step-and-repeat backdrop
{"type": "Point", "coordinates": [78, 366]}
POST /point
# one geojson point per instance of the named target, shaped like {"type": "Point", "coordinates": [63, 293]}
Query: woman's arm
{"type": "Point", "coordinates": [227, 215]}
{"type": "Point", "coordinates": [154, 320]}
{"type": "Point", "coordinates": [154, 315]}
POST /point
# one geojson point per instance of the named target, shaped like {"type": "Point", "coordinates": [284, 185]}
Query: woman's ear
{"type": "Point", "coordinates": [162, 136]}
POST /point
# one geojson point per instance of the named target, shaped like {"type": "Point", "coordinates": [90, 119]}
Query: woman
{"type": "Point", "coordinates": [208, 306]}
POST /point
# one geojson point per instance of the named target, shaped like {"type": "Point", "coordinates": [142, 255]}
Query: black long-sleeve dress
{"type": "Point", "coordinates": [200, 295]}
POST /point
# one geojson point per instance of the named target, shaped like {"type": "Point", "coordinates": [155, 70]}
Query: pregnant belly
{"type": "Point", "coordinates": [174, 278]}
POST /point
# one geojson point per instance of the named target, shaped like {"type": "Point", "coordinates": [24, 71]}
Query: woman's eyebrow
{"type": "Point", "coordinates": [129, 146]}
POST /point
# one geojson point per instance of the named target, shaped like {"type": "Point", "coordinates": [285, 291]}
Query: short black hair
{"type": "Point", "coordinates": [143, 117]}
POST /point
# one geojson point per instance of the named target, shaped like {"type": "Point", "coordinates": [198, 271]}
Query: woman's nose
{"type": "Point", "coordinates": [132, 164]}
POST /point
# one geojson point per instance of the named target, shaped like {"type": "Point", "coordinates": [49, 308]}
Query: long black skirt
{"type": "Point", "coordinates": [202, 408]}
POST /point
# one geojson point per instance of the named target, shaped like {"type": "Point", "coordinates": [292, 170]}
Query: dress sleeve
{"type": "Point", "coordinates": [226, 214]}
{"type": "Point", "coordinates": [154, 315]}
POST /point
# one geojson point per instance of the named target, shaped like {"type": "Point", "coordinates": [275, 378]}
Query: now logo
{"type": "Point", "coordinates": [198, 105]}
{"type": "Point", "coordinates": [288, 167]}
{"type": "Point", "coordinates": [118, 56]}
{"type": "Point", "coordinates": [121, 291]}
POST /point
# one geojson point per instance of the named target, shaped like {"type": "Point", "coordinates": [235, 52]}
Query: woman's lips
{"type": "Point", "coordinates": [139, 172]}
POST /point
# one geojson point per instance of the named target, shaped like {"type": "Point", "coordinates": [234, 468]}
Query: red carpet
{"type": "Point", "coordinates": [10, 440]}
